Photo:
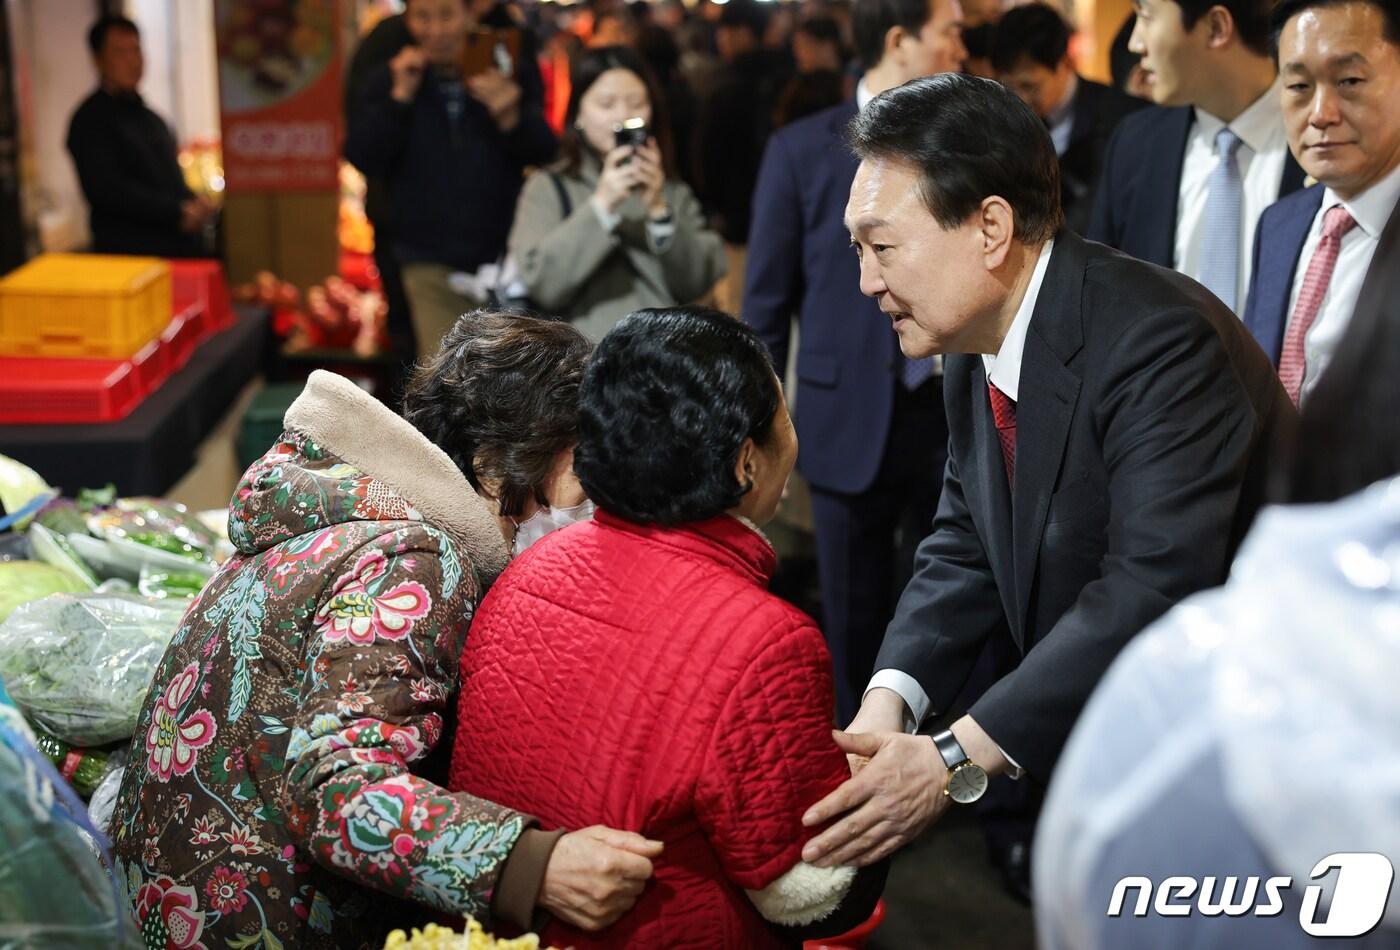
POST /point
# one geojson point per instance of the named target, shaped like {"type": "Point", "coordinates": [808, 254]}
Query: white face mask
{"type": "Point", "coordinates": [546, 521]}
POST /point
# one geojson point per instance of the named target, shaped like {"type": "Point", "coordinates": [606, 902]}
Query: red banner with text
{"type": "Point", "coordinates": [280, 65]}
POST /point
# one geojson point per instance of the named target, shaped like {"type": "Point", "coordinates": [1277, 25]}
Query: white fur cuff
{"type": "Point", "coordinates": [803, 895]}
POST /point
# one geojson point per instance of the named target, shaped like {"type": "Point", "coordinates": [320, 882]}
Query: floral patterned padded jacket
{"type": "Point", "coordinates": [275, 794]}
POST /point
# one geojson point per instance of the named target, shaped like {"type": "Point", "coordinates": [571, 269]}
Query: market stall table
{"type": "Point", "coordinates": [149, 450]}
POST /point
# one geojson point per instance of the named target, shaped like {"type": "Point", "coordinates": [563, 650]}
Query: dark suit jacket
{"type": "Point", "coordinates": [800, 262]}
{"type": "Point", "coordinates": [1278, 244]}
{"type": "Point", "coordinates": [1143, 427]}
{"type": "Point", "coordinates": [1097, 111]}
{"type": "Point", "coordinates": [1135, 205]}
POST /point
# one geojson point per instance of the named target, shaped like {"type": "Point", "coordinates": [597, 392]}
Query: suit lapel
{"type": "Point", "coordinates": [1163, 194]}
{"type": "Point", "coordinates": [1049, 393]}
{"type": "Point", "coordinates": [1293, 176]}
{"type": "Point", "coordinates": [1280, 251]}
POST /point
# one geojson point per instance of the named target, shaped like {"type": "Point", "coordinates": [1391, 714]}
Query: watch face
{"type": "Point", "coordinates": [967, 784]}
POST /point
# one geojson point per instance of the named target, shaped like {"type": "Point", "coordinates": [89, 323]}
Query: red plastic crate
{"type": "Point", "coordinates": [202, 282]}
{"type": "Point", "coordinates": [38, 390]}
{"type": "Point", "coordinates": [182, 336]}
{"type": "Point", "coordinates": [72, 391]}
{"type": "Point", "coordinates": [151, 367]}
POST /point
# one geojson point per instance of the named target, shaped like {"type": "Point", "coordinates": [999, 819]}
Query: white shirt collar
{"type": "Point", "coordinates": [1259, 126]}
{"type": "Point", "coordinates": [863, 95]}
{"type": "Point", "coordinates": [1373, 207]}
{"type": "Point", "coordinates": [1004, 369]}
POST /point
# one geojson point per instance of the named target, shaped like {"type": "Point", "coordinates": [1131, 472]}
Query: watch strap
{"type": "Point", "coordinates": [950, 749]}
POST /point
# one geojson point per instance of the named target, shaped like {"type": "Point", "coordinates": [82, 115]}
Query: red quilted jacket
{"type": "Point", "coordinates": [644, 678]}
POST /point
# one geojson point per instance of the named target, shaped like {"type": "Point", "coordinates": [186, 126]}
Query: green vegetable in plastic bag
{"type": "Point", "coordinates": [83, 768]}
{"type": "Point", "coordinates": [54, 549]}
{"type": "Point", "coordinates": [160, 584]}
{"type": "Point", "coordinates": [21, 486]}
{"type": "Point", "coordinates": [80, 666]}
{"type": "Point", "coordinates": [54, 891]}
{"type": "Point", "coordinates": [62, 517]}
{"type": "Point", "coordinates": [25, 581]}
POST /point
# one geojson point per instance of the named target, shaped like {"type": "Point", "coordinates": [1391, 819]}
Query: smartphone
{"type": "Point", "coordinates": [632, 132]}
{"type": "Point", "coordinates": [489, 49]}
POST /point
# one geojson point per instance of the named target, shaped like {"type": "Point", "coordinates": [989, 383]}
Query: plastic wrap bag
{"type": "Point", "coordinates": [80, 666]}
{"type": "Point", "coordinates": [54, 892]}
{"type": "Point", "coordinates": [24, 581]}
{"type": "Point", "coordinates": [22, 493]}
{"type": "Point", "coordinates": [103, 803]}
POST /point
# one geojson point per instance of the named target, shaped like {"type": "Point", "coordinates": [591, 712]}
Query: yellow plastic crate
{"type": "Point", "coordinates": [84, 305]}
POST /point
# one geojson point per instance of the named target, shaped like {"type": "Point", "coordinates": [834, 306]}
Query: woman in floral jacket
{"type": "Point", "coordinates": [279, 775]}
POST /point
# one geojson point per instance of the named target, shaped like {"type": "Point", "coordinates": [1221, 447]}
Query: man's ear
{"type": "Point", "coordinates": [1220, 27]}
{"type": "Point", "coordinates": [893, 37]}
{"type": "Point", "coordinates": [746, 465]}
{"type": "Point", "coordinates": [997, 221]}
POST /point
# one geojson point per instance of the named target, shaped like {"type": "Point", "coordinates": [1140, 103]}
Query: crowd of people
{"type": "Point", "coordinates": [1056, 345]}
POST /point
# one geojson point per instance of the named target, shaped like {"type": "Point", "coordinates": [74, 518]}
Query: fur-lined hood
{"type": "Point", "coordinates": [347, 457]}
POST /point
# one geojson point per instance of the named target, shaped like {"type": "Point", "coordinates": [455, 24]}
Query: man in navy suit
{"type": "Point", "coordinates": [1030, 53]}
{"type": "Point", "coordinates": [1184, 186]}
{"type": "Point", "coordinates": [871, 423]}
{"type": "Point", "coordinates": [1340, 62]}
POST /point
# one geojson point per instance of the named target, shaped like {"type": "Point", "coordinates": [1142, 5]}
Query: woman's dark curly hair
{"type": "Point", "coordinates": [500, 397]}
{"type": "Point", "coordinates": [667, 401]}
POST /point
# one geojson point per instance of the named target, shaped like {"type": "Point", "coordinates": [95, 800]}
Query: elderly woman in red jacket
{"type": "Point", "coordinates": [635, 670]}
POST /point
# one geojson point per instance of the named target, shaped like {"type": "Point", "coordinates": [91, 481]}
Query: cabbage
{"type": "Point", "coordinates": [23, 581]}
{"type": "Point", "coordinates": [20, 486]}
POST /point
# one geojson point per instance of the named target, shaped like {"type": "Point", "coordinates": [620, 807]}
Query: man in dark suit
{"type": "Point", "coordinates": [871, 423]}
{"type": "Point", "coordinates": [1030, 54]}
{"type": "Point", "coordinates": [1183, 186]}
{"type": "Point", "coordinates": [1109, 426]}
{"type": "Point", "coordinates": [1314, 247]}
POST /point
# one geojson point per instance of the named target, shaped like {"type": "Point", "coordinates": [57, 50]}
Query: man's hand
{"type": "Point", "coordinates": [500, 96]}
{"type": "Point", "coordinates": [407, 69]}
{"type": "Point", "coordinates": [595, 875]}
{"type": "Point", "coordinates": [881, 711]}
{"type": "Point", "coordinates": [887, 805]}
{"type": "Point", "coordinates": [193, 215]}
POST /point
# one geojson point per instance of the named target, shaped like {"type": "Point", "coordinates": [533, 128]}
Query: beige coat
{"type": "Point", "coordinates": [574, 269]}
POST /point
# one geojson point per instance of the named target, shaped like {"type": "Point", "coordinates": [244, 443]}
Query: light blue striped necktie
{"type": "Point", "coordinates": [1220, 237]}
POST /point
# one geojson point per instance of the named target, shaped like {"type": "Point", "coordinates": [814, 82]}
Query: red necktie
{"type": "Point", "coordinates": [1004, 413]}
{"type": "Point", "coordinates": [1293, 363]}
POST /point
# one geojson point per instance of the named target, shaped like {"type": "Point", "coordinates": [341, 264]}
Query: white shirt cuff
{"type": "Point", "coordinates": [660, 233]}
{"type": "Point", "coordinates": [916, 707]}
{"type": "Point", "coordinates": [606, 218]}
{"type": "Point", "coordinates": [1015, 771]}
{"type": "Point", "coordinates": [916, 701]}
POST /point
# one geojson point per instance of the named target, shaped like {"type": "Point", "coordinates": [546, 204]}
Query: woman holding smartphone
{"type": "Point", "coordinates": [611, 229]}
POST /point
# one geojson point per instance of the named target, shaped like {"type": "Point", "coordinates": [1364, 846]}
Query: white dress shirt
{"type": "Point", "coordinates": [1261, 160]}
{"type": "Point", "coordinates": [1371, 209]}
{"type": "Point", "coordinates": [1004, 372]}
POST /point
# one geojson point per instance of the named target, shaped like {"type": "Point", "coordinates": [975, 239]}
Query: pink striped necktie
{"type": "Point", "coordinates": [1293, 363]}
